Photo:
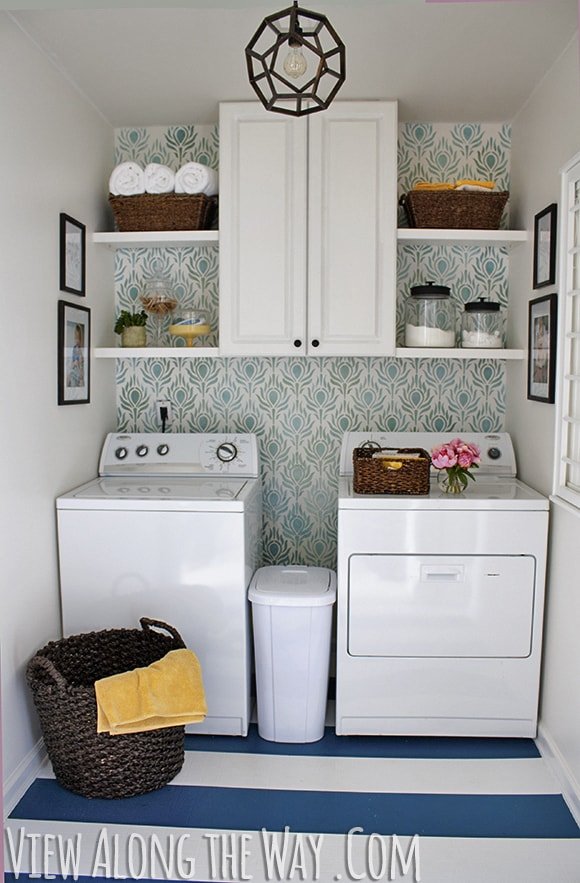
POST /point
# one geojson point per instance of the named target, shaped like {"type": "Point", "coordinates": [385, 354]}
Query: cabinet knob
{"type": "Point", "coordinates": [315, 342]}
{"type": "Point", "coordinates": [297, 343]}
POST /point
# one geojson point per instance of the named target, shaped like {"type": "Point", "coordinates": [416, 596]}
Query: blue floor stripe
{"type": "Point", "coordinates": [435, 815]}
{"type": "Point", "coordinates": [370, 746]}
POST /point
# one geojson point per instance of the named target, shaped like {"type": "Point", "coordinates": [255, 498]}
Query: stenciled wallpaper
{"type": "Point", "coordinates": [300, 407]}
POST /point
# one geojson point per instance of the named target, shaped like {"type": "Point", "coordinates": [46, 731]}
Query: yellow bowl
{"type": "Point", "coordinates": [189, 332]}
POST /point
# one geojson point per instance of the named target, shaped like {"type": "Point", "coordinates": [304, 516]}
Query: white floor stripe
{"type": "Point", "coordinates": [373, 775]}
{"type": "Point", "coordinates": [165, 853]}
{"type": "Point", "coordinates": [376, 774]}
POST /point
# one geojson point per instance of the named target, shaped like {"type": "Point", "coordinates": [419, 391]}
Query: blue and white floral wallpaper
{"type": "Point", "coordinates": [300, 407]}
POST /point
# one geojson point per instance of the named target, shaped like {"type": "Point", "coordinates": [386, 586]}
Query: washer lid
{"type": "Point", "coordinates": [293, 586]}
{"type": "Point", "coordinates": [162, 489]}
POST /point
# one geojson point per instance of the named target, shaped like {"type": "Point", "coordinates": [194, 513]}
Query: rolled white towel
{"type": "Point", "coordinates": [159, 178]}
{"type": "Point", "coordinates": [127, 179]}
{"type": "Point", "coordinates": [194, 177]}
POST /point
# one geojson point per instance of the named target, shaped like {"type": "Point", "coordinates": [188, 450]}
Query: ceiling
{"type": "Point", "coordinates": [443, 61]}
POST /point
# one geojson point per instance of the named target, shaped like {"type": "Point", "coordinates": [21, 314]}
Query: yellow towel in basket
{"type": "Point", "coordinates": [167, 693]}
{"type": "Point", "coordinates": [433, 185]}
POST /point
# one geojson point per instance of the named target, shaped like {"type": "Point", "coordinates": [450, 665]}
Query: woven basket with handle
{"type": "Point", "coordinates": [407, 474]}
{"type": "Point", "coordinates": [62, 676]}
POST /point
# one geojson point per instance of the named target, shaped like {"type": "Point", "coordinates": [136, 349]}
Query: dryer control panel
{"type": "Point", "coordinates": [497, 452]}
{"type": "Point", "coordinates": [180, 454]}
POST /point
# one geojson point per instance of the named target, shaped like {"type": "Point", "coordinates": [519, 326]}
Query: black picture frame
{"type": "Point", "coordinates": [74, 342]}
{"type": "Point", "coordinates": [545, 228]}
{"type": "Point", "coordinates": [542, 330]}
{"type": "Point", "coordinates": [72, 255]}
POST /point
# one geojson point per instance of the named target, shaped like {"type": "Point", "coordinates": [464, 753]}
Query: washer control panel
{"type": "Point", "coordinates": [180, 453]}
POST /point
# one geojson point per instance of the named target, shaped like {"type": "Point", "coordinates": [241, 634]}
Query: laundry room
{"type": "Point", "coordinates": [292, 332]}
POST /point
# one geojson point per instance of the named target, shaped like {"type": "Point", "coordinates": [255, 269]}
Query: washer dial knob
{"type": "Point", "coordinates": [162, 450]}
{"type": "Point", "coordinates": [227, 452]}
{"type": "Point", "coordinates": [494, 453]}
{"type": "Point", "coordinates": [142, 451]}
{"type": "Point", "coordinates": [121, 453]}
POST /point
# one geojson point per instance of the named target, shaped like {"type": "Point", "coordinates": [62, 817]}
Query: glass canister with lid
{"type": "Point", "coordinates": [483, 325]}
{"type": "Point", "coordinates": [430, 317]}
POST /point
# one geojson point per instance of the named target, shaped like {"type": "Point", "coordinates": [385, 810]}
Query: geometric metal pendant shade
{"type": "Point", "coordinates": [296, 62]}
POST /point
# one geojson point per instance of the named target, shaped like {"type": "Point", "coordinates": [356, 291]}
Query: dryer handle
{"type": "Point", "coordinates": [147, 624]}
{"type": "Point", "coordinates": [432, 573]}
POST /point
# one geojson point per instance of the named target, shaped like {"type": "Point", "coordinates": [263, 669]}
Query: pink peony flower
{"type": "Point", "coordinates": [444, 456]}
{"type": "Point", "coordinates": [456, 457]}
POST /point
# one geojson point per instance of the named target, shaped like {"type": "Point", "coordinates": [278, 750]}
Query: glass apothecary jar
{"type": "Point", "coordinates": [159, 302]}
{"type": "Point", "coordinates": [430, 317]}
{"type": "Point", "coordinates": [483, 325]}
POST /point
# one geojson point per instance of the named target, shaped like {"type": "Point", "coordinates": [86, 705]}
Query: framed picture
{"type": "Point", "coordinates": [545, 224]}
{"type": "Point", "coordinates": [74, 338]}
{"type": "Point", "coordinates": [542, 348]}
{"type": "Point", "coordinates": [72, 255]}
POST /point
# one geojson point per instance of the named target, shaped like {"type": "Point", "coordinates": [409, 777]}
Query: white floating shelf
{"type": "Point", "coordinates": [465, 237]}
{"type": "Point", "coordinates": [160, 238]}
{"type": "Point", "coordinates": [156, 352]}
{"type": "Point", "coordinates": [407, 352]}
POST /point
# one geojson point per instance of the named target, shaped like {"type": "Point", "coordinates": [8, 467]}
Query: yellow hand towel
{"type": "Point", "coordinates": [432, 185]}
{"type": "Point", "coordinates": [167, 693]}
{"type": "Point", "coordinates": [469, 184]}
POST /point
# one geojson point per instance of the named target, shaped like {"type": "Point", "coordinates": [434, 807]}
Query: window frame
{"type": "Point", "coordinates": [569, 239]}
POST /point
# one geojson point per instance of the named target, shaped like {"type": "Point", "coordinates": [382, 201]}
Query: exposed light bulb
{"type": "Point", "coordinates": [295, 64]}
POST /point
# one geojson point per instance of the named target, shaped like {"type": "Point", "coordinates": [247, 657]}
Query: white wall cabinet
{"type": "Point", "coordinates": [308, 230]}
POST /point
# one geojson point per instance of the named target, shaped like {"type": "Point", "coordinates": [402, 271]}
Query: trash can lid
{"type": "Point", "coordinates": [293, 586]}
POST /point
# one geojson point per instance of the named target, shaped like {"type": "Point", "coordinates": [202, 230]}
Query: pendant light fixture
{"type": "Point", "coordinates": [296, 62]}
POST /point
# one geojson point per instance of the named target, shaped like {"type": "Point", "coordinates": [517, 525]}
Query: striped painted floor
{"type": "Point", "coordinates": [345, 808]}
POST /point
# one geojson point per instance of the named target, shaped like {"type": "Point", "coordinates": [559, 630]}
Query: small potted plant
{"type": "Point", "coordinates": [131, 327]}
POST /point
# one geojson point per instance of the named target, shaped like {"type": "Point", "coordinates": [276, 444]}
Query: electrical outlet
{"type": "Point", "coordinates": [163, 403]}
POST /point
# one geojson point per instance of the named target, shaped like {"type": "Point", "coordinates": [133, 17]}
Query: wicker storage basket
{"type": "Point", "coordinates": [162, 211]}
{"type": "Point", "coordinates": [455, 209]}
{"type": "Point", "coordinates": [375, 475]}
{"type": "Point", "coordinates": [62, 675]}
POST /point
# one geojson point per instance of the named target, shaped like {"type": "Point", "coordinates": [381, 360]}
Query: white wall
{"type": "Point", "coordinates": [546, 133]}
{"type": "Point", "coordinates": [55, 155]}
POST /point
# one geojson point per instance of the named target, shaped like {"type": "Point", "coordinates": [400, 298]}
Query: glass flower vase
{"type": "Point", "coordinates": [450, 482]}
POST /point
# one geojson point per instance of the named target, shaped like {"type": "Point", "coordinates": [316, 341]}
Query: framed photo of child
{"type": "Point", "coordinates": [74, 338]}
{"type": "Point", "coordinates": [542, 348]}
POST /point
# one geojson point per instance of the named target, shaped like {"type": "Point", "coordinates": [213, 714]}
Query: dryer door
{"type": "Point", "coordinates": [440, 606]}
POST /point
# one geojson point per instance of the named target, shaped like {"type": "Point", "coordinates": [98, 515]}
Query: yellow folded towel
{"type": "Point", "coordinates": [167, 693]}
{"type": "Point", "coordinates": [470, 184]}
{"type": "Point", "coordinates": [432, 185]}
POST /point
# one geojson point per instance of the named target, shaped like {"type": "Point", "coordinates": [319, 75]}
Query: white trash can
{"type": "Point", "coordinates": [292, 617]}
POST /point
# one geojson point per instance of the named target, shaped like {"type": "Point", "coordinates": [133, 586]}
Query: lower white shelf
{"type": "Point", "coordinates": [156, 352]}
{"type": "Point", "coordinates": [423, 352]}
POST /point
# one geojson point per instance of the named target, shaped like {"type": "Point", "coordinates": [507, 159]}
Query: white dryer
{"type": "Point", "coordinates": [440, 600]}
{"type": "Point", "coordinates": [171, 529]}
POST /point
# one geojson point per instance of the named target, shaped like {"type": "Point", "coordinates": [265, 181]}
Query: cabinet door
{"type": "Point", "coordinates": [262, 231]}
{"type": "Point", "coordinates": [352, 229]}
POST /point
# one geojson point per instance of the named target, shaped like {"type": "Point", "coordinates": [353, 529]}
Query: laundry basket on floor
{"type": "Point", "coordinates": [62, 675]}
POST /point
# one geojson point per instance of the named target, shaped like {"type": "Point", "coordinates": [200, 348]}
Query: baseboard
{"type": "Point", "coordinates": [549, 750]}
{"type": "Point", "coordinates": [23, 776]}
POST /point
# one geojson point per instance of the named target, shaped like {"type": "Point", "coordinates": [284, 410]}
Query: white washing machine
{"type": "Point", "coordinates": [440, 600]}
{"type": "Point", "coordinates": [171, 529]}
